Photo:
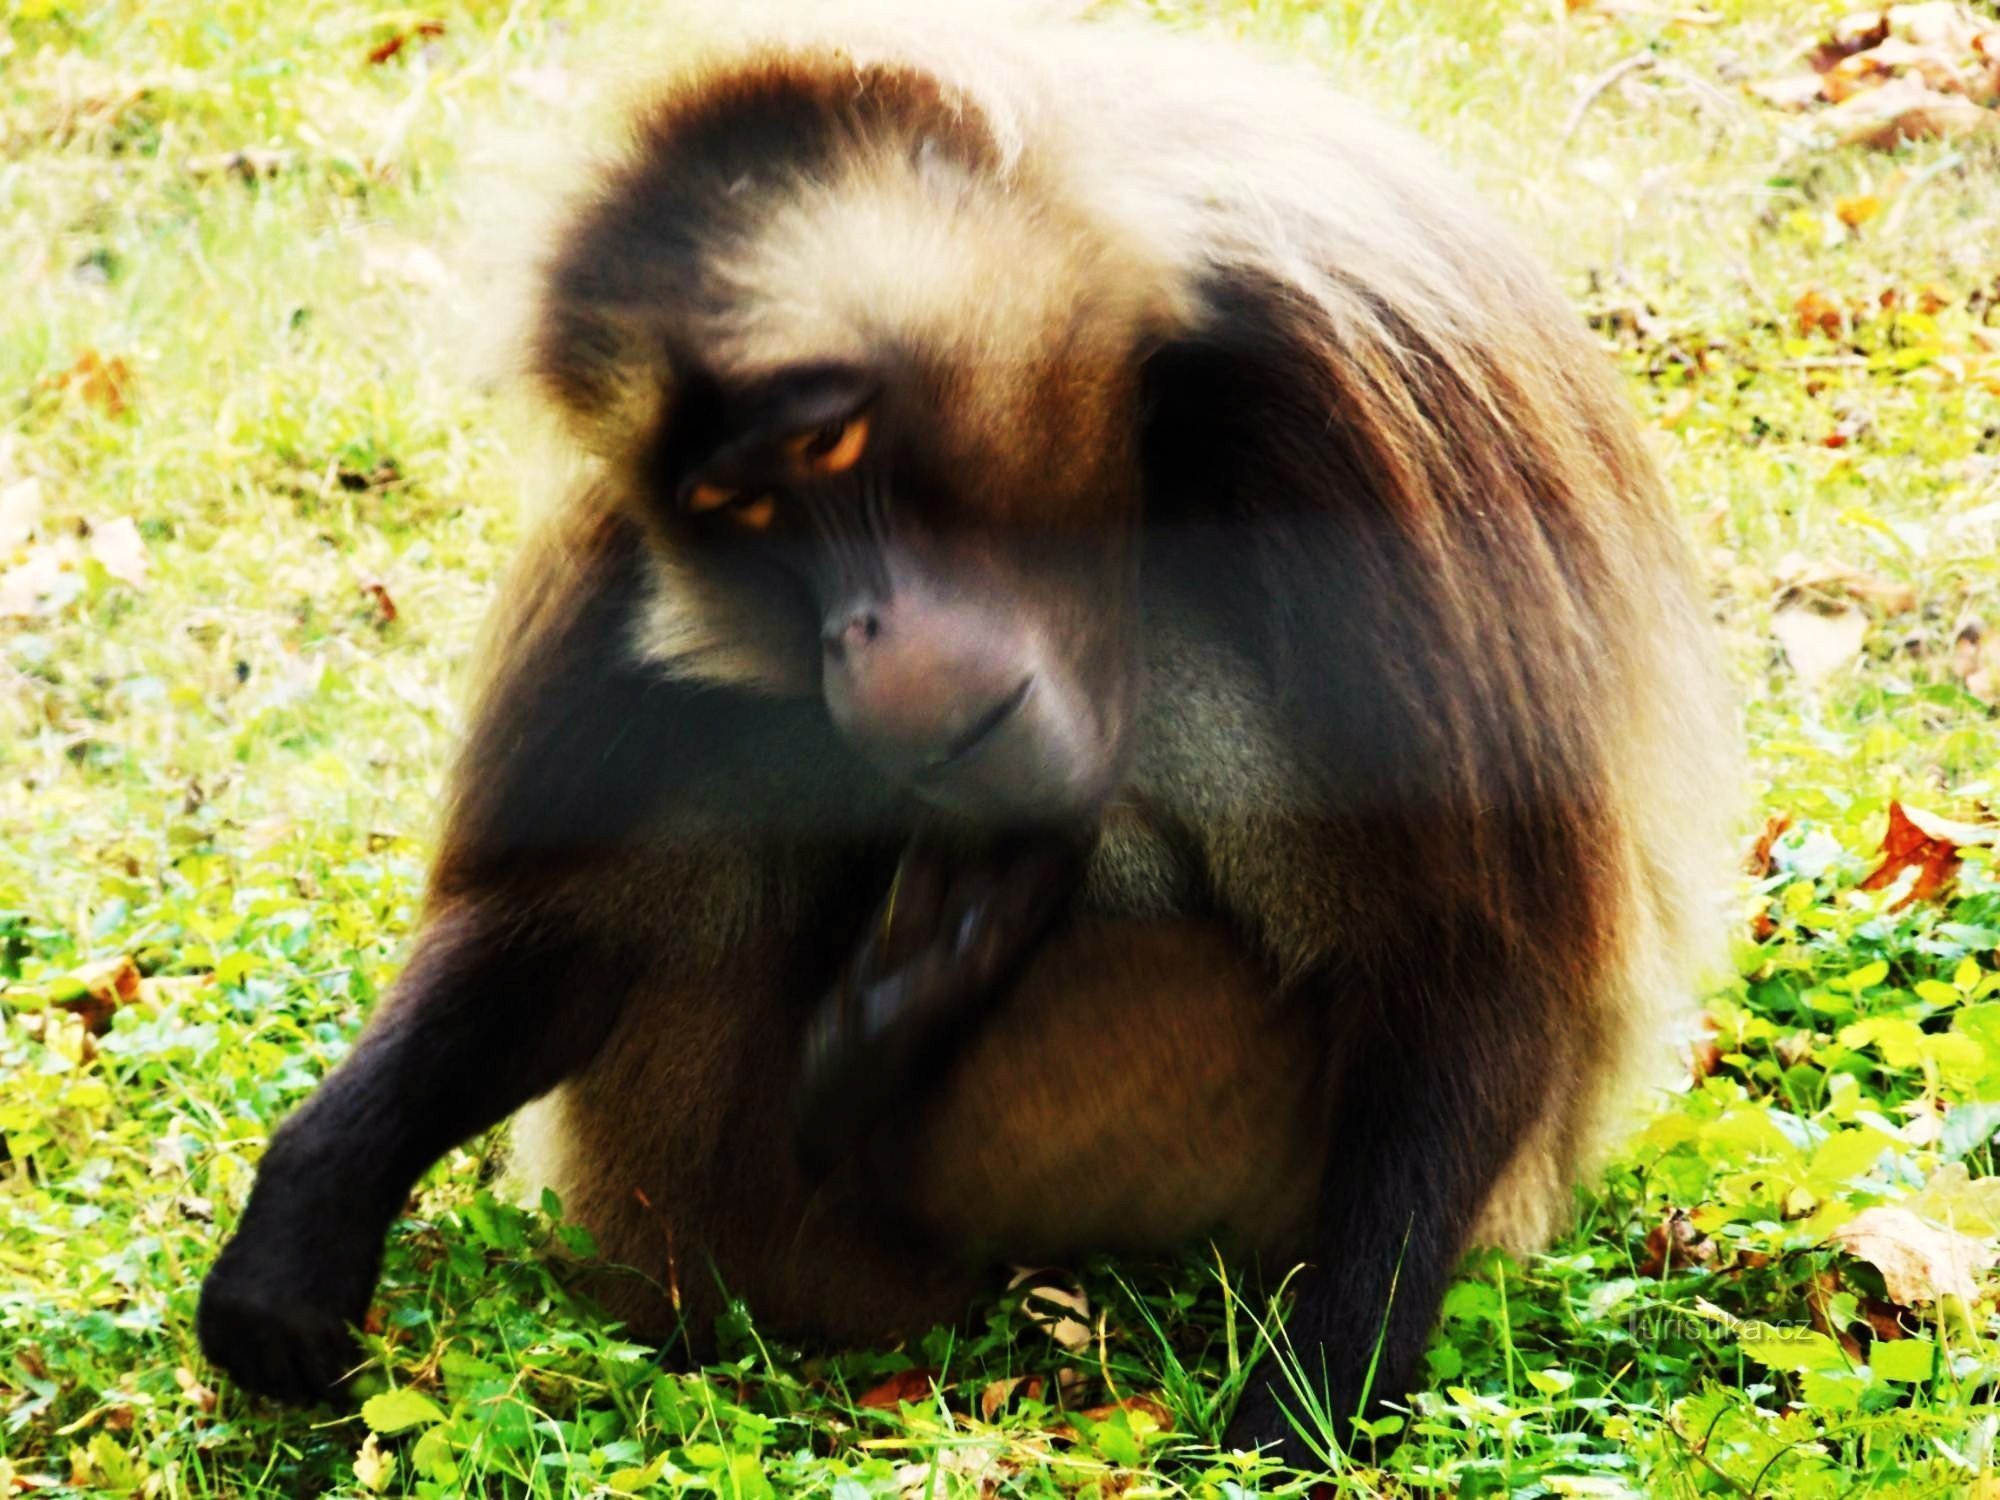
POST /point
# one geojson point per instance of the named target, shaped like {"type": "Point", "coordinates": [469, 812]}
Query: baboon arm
{"type": "Point", "coordinates": [1436, 1090]}
{"type": "Point", "coordinates": [503, 996]}
{"type": "Point", "coordinates": [484, 1018]}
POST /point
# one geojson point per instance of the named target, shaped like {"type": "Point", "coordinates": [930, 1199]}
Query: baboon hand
{"type": "Point", "coordinates": [275, 1311]}
{"type": "Point", "coordinates": [953, 931]}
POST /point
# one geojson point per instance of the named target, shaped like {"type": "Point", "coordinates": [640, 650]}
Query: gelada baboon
{"type": "Point", "coordinates": [1120, 673]}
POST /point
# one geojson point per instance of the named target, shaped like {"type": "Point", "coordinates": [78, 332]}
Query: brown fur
{"type": "Point", "coordinates": [1423, 757]}
{"type": "Point", "coordinates": [1467, 397]}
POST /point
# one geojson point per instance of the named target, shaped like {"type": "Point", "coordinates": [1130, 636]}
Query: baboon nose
{"type": "Point", "coordinates": [918, 682]}
{"type": "Point", "coordinates": [850, 630]}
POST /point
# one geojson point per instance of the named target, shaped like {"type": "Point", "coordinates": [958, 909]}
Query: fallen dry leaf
{"type": "Point", "coordinates": [1797, 578]}
{"type": "Point", "coordinates": [105, 383]}
{"type": "Point", "coordinates": [1941, 24]}
{"type": "Point", "coordinates": [193, 1389]}
{"type": "Point", "coordinates": [42, 582]}
{"type": "Point", "coordinates": [1904, 109]}
{"type": "Point", "coordinates": [1906, 72]}
{"type": "Point", "coordinates": [1919, 1262]}
{"type": "Point", "coordinates": [118, 548]}
{"type": "Point", "coordinates": [1793, 91]}
{"type": "Point", "coordinates": [405, 262]}
{"type": "Point", "coordinates": [1820, 1293]}
{"type": "Point", "coordinates": [1817, 311]}
{"type": "Point", "coordinates": [382, 51]}
{"type": "Point", "coordinates": [374, 1469]}
{"type": "Point", "coordinates": [1924, 843]}
{"type": "Point", "coordinates": [1925, 1124]}
{"type": "Point", "coordinates": [1818, 643]}
{"type": "Point", "coordinates": [1975, 660]}
{"type": "Point", "coordinates": [1758, 862]}
{"type": "Point", "coordinates": [904, 1386]}
{"type": "Point", "coordinates": [1958, 1200]}
{"type": "Point", "coordinates": [107, 984]}
{"type": "Point", "coordinates": [1673, 1243]}
{"type": "Point", "coordinates": [994, 1398]}
{"type": "Point", "coordinates": [20, 512]}
{"type": "Point", "coordinates": [1856, 209]}
{"type": "Point", "coordinates": [385, 603]}
{"type": "Point", "coordinates": [1704, 1058]}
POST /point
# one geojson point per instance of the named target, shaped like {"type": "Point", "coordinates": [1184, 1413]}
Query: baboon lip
{"type": "Point", "coordinates": [981, 729]}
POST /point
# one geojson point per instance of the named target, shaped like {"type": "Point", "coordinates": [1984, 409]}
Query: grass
{"type": "Point", "coordinates": [240, 443]}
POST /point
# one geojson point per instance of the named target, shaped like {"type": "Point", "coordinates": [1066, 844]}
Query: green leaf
{"type": "Point", "coordinates": [1900, 1042]}
{"type": "Point", "coordinates": [1795, 1348]}
{"type": "Point", "coordinates": [1846, 1155]}
{"type": "Point", "coordinates": [1910, 1360]}
{"type": "Point", "coordinates": [1857, 980]}
{"type": "Point", "coordinates": [631, 1481]}
{"type": "Point", "coordinates": [398, 1411]}
{"type": "Point", "coordinates": [432, 1456]}
{"type": "Point", "coordinates": [1551, 1382]}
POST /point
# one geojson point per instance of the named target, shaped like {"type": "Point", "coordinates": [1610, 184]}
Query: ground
{"type": "Point", "coordinates": [254, 488]}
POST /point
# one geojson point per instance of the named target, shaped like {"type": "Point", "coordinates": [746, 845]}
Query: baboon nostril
{"type": "Point", "coordinates": [856, 628]}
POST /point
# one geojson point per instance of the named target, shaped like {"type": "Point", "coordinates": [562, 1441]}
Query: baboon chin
{"type": "Point", "coordinates": [1121, 673]}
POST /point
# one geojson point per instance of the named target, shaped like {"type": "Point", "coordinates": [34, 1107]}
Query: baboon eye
{"type": "Point", "coordinates": [831, 448]}
{"type": "Point", "coordinates": [752, 509]}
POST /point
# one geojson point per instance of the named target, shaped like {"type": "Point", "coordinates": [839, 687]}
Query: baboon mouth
{"type": "Point", "coordinates": [982, 729]}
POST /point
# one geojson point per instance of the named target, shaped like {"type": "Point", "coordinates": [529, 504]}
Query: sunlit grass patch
{"type": "Point", "coordinates": [252, 499]}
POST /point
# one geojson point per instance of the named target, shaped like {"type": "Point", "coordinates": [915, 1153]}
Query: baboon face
{"type": "Point", "coordinates": [948, 554]}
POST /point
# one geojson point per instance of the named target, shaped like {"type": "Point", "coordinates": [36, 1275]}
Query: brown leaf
{"type": "Point", "coordinates": [1904, 109]}
{"type": "Point", "coordinates": [1919, 1262]}
{"type": "Point", "coordinates": [108, 983]}
{"type": "Point", "coordinates": [1856, 209]}
{"type": "Point", "coordinates": [1975, 661]}
{"type": "Point", "coordinates": [1758, 864]}
{"type": "Point", "coordinates": [1883, 1320]}
{"type": "Point", "coordinates": [1927, 844]}
{"type": "Point", "coordinates": [1705, 1056]}
{"type": "Point", "coordinates": [912, 1385]}
{"type": "Point", "coordinates": [1673, 1243]}
{"type": "Point", "coordinates": [1939, 24]}
{"type": "Point", "coordinates": [385, 605]}
{"type": "Point", "coordinates": [1958, 1200]}
{"type": "Point", "coordinates": [404, 262]}
{"type": "Point", "coordinates": [382, 51]}
{"type": "Point", "coordinates": [994, 1398]}
{"type": "Point", "coordinates": [1828, 582]}
{"type": "Point", "coordinates": [1816, 310]}
{"type": "Point", "coordinates": [105, 383]}
{"type": "Point", "coordinates": [193, 1389]}
{"type": "Point", "coordinates": [1820, 1292]}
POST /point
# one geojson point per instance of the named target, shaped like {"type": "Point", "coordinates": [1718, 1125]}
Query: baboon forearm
{"type": "Point", "coordinates": [1434, 1098]}
{"type": "Point", "coordinates": [482, 1020]}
